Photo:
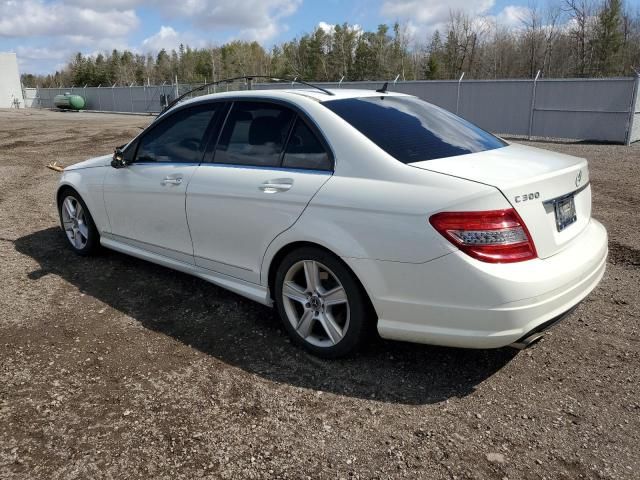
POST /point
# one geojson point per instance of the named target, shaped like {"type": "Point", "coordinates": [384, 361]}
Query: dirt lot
{"type": "Point", "coordinates": [111, 367]}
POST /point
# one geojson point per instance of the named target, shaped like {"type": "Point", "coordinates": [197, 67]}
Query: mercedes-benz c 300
{"type": "Point", "coordinates": [349, 211]}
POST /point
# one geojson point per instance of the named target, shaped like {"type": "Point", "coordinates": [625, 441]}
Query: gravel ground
{"type": "Point", "coordinates": [114, 368]}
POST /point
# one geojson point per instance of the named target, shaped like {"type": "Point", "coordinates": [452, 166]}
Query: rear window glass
{"type": "Point", "coordinates": [304, 150]}
{"type": "Point", "coordinates": [254, 134]}
{"type": "Point", "coordinates": [412, 130]}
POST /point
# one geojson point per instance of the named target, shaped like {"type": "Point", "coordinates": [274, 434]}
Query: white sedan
{"type": "Point", "coordinates": [350, 210]}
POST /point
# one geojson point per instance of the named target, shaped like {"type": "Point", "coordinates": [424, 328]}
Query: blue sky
{"type": "Point", "coordinates": [46, 33]}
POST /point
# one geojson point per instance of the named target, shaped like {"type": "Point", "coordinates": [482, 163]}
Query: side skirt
{"type": "Point", "coordinates": [254, 292]}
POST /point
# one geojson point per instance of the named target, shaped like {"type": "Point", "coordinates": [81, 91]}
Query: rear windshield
{"type": "Point", "coordinates": [412, 130]}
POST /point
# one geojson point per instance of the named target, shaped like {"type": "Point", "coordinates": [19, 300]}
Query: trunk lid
{"type": "Point", "coordinates": [534, 181]}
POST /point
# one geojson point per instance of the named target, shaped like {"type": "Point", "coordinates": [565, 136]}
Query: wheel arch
{"type": "Point", "coordinates": [61, 188]}
{"type": "Point", "coordinates": [65, 186]}
{"type": "Point", "coordinates": [284, 250]}
{"type": "Point", "coordinates": [87, 183]}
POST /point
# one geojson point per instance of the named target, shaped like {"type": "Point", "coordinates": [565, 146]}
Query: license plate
{"type": "Point", "coordinates": [565, 209]}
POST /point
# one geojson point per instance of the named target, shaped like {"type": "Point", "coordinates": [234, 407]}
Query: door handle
{"type": "Point", "coordinates": [276, 185]}
{"type": "Point", "coordinates": [172, 181]}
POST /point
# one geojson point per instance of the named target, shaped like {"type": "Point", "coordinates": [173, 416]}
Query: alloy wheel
{"type": "Point", "coordinates": [74, 222]}
{"type": "Point", "coordinates": [316, 303]}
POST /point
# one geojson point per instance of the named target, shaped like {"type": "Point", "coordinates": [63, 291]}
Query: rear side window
{"type": "Point", "coordinates": [179, 137]}
{"type": "Point", "coordinates": [254, 134]}
{"type": "Point", "coordinates": [412, 130]}
{"type": "Point", "coordinates": [304, 150]}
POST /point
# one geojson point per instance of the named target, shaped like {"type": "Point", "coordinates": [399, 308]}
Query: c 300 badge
{"type": "Point", "coordinates": [526, 197]}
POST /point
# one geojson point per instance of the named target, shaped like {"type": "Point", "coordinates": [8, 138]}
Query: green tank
{"type": "Point", "coordinates": [69, 102]}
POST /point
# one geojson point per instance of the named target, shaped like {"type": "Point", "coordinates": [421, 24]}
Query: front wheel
{"type": "Point", "coordinates": [321, 303]}
{"type": "Point", "coordinates": [77, 223]}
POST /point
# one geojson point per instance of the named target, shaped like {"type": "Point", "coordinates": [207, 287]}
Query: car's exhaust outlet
{"type": "Point", "coordinates": [537, 333]}
{"type": "Point", "coordinates": [527, 341]}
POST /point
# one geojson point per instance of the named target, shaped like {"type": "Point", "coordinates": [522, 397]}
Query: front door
{"type": "Point", "coordinates": [145, 201]}
{"type": "Point", "coordinates": [267, 166]}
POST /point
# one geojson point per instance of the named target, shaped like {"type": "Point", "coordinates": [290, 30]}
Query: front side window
{"type": "Point", "coordinates": [412, 130]}
{"type": "Point", "coordinates": [179, 137]}
{"type": "Point", "coordinates": [254, 134]}
{"type": "Point", "coordinates": [304, 150]}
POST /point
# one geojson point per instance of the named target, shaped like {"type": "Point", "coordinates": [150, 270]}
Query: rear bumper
{"type": "Point", "coordinates": [458, 301]}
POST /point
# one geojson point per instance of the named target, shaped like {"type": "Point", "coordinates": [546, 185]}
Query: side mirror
{"type": "Point", "coordinates": [118, 158]}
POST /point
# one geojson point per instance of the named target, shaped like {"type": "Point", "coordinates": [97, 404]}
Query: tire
{"type": "Point", "coordinates": [77, 223]}
{"type": "Point", "coordinates": [328, 316]}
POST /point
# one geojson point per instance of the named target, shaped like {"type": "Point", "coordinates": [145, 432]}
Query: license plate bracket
{"type": "Point", "coordinates": [565, 211]}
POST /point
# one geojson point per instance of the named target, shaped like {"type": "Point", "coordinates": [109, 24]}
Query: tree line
{"type": "Point", "coordinates": [566, 38]}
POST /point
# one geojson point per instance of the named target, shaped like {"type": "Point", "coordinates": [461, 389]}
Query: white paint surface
{"type": "Point", "coordinates": [10, 88]}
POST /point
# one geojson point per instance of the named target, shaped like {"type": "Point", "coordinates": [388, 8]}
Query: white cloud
{"type": "Point", "coordinates": [166, 38]}
{"type": "Point", "coordinates": [105, 4]}
{"type": "Point", "coordinates": [41, 59]}
{"type": "Point", "coordinates": [326, 27]}
{"type": "Point", "coordinates": [430, 12]}
{"type": "Point", "coordinates": [57, 53]}
{"type": "Point", "coordinates": [29, 54]}
{"type": "Point", "coordinates": [513, 15]}
{"type": "Point", "coordinates": [260, 34]}
{"type": "Point", "coordinates": [28, 18]}
{"type": "Point", "coordinates": [55, 30]}
{"type": "Point", "coordinates": [329, 28]}
{"type": "Point", "coordinates": [257, 19]}
{"type": "Point", "coordinates": [170, 39]}
{"type": "Point", "coordinates": [423, 17]}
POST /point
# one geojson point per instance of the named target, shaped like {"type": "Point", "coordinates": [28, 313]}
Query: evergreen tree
{"type": "Point", "coordinates": [604, 44]}
{"type": "Point", "coordinates": [608, 38]}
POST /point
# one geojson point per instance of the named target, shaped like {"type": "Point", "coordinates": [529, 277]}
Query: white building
{"type": "Point", "coordinates": [10, 88]}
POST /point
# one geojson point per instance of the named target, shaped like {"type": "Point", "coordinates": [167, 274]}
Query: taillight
{"type": "Point", "coordinates": [495, 236]}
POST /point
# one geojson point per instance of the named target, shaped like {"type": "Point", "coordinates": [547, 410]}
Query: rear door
{"type": "Point", "coordinates": [145, 201]}
{"type": "Point", "coordinates": [267, 165]}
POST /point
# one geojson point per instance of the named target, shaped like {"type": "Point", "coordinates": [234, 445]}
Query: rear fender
{"type": "Point", "coordinates": [380, 220]}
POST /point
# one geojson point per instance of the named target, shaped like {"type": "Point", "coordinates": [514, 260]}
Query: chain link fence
{"type": "Point", "coordinates": [133, 99]}
{"type": "Point", "coordinates": [584, 109]}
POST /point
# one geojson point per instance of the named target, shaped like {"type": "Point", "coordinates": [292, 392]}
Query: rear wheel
{"type": "Point", "coordinates": [321, 303]}
{"type": "Point", "coordinates": [77, 223]}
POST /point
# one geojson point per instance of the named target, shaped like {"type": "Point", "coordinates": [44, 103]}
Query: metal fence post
{"type": "Point", "coordinates": [533, 103]}
{"type": "Point", "coordinates": [98, 95]}
{"type": "Point", "coordinates": [131, 96]}
{"type": "Point", "coordinates": [458, 95]}
{"type": "Point", "coordinates": [632, 109]}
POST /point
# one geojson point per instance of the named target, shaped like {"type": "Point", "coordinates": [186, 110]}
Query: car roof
{"type": "Point", "coordinates": [294, 94]}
